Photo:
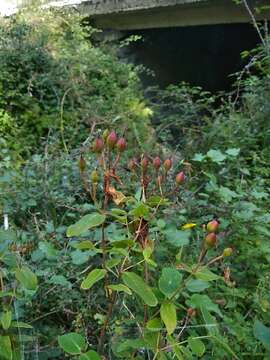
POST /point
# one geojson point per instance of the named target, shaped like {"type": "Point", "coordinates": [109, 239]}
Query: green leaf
{"type": "Point", "coordinates": [111, 263]}
{"type": "Point", "coordinates": [7, 236]}
{"type": "Point", "coordinates": [205, 274]}
{"type": "Point", "coordinates": [168, 316]}
{"type": "Point", "coordinates": [262, 333]}
{"type": "Point", "coordinates": [196, 285]}
{"type": "Point", "coordinates": [130, 344]}
{"type": "Point", "coordinates": [119, 288]}
{"type": "Point", "coordinates": [79, 257]}
{"type": "Point", "coordinates": [156, 200]}
{"type": "Point", "coordinates": [20, 324]}
{"type": "Point", "coordinates": [6, 319]}
{"type": "Point", "coordinates": [226, 194]}
{"type": "Point", "coordinates": [90, 355]}
{"type": "Point", "coordinates": [233, 152]}
{"type": "Point", "coordinates": [60, 280]}
{"type": "Point", "coordinates": [5, 348]}
{"type": "Point", "coordinates": [93, 277]}
{"type": "Point", "coordinates": [141, 210]}
{"type": "Point", "coordinates": [222, 342]}
{"type": "Point", "coordinates": [210, 322]}
{"type": "Point", "coordinates": [196, 346]}
{"type": "Point", "coordinates": [154, 325]}
{"type": "Point", "coordinates": [26, 278]}
{"type": "Point", "coordinates": [216, 156]}
{"type": "Point", "coordinates": [48, 250]}
{"type": "Point", "coordinates": [161, 224]}
{"type": "Point", "coordinates": [203, 301]}
{"type": "Point", "coordinates": [177, 237]}
{"type": "Point", "coordinates": [169, 281]}
{"type": "Point", "coordinates": [198, 157]}
{"type": "Point", "coordinates": [137, 284]}
{"type": "Point", "coordinates": [72, 343]}
{"type": "Point", "coordinates": [84, 245]}
{"type": "Point", "coordinates": [85, 223]}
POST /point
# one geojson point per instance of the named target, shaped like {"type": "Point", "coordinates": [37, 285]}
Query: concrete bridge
{"type": "Point", "coordinates": [146, 14]}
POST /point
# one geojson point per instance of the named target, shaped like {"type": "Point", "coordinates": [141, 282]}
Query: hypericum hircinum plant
{"type": "Point", "coordinates": [150, 301]}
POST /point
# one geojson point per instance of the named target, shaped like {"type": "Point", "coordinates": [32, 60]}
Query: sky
{"type": "Point", "coordinates": [7, 7]}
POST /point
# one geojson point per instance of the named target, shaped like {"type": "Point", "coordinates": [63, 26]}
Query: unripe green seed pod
{"type": "Point", "coordinates": [121, 145]}
{"type": "Point", "coordinates": [211, 239]}
{"type": "Point", "coordinates": [227, 252]}
{"type": "Point", "coordinates": [111, 139]}
{"type": "Point", "coordinates": [105, 135]}
{"type": "Point", "coordinates": [157, 162]}
{"type": "Point", "coordinates": [98, 145]}
{"type": "Point", "coordinates": [94, 176]}
{"type": "Point", "coordinates": [167, 164]}
{"type": "Point", "coordinates": [212, 226]}
{"type": "Point", "coordinates": [180, 178]}
{"type": "Point", "coordinates": [82, 164]}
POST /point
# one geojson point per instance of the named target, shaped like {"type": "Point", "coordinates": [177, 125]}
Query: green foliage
{"type": "Point", "coordinates": [131, 279]}
{"type": "Point", "coordinates": [54, 80]}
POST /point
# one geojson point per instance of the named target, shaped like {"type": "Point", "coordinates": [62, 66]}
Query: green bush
{"type": "Point", "coordinates": [54, 80]}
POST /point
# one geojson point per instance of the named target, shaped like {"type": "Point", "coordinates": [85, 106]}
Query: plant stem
{"type": "Point", "coordinates": [106, 323]}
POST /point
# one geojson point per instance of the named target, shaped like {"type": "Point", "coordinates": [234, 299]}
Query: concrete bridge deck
{"type": "Point", "coordinates": [143, 14]}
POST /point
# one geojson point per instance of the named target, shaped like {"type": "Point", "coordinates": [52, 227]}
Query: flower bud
{"type": "Point", "coordinates": [82, 164]}
{"type": "Point", "coordinates": [191, 312]}
{"type": "Point", "coordinates": [98, 145]}
{"type": "Point", "coordinates": [94, 176]}
{"type": "Point", "coordinates": [227, 252]}
{"type": "Point", "coordinates": [212, 226]}
{"type": "Point", "coordinates": [167, 164]}
{"type": "Point", "coordinates": [156, 162]}
{"type": "Point", "coordinates": [144, 163]}
{"type": "Point", "coordinates": [211, 239]}
{"type": "Point", "coordinates": [121, 145]}
{"type": "Point", "coordinates": [111, 139]}
{"type": "Point", "coordinates": [180, 178]}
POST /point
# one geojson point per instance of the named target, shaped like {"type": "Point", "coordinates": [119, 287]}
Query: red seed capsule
{"type": "Point", "coordinates": [144, 163]}
{"type": "Point", "coordinates": [167, 164]}
{"type": "Point", "coordinates": [180, 178]}
{"type": "Point", "coordinates": [191, 312]}
{"type": "Point", "coordinates": [121, 145]}
{"type": "Point", "coordinates": [111, 139]}
{"type": "Point", "coordinates": [82, 164]}
{"type": "Point", "coordinates": [211, 239]}
{"type": "Point", "coordinates": [212, 226]}
{"type": "Point", "coordinates": [156, 162]}
{"type": "Point", "coordinates": [98, 145]}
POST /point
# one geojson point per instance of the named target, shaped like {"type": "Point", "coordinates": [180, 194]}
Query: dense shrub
{"type": "Point", "coordinates": [53, 79]}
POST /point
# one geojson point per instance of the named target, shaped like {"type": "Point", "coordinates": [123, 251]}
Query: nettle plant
{"type": "Point", "coordinates": [148, 301]}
